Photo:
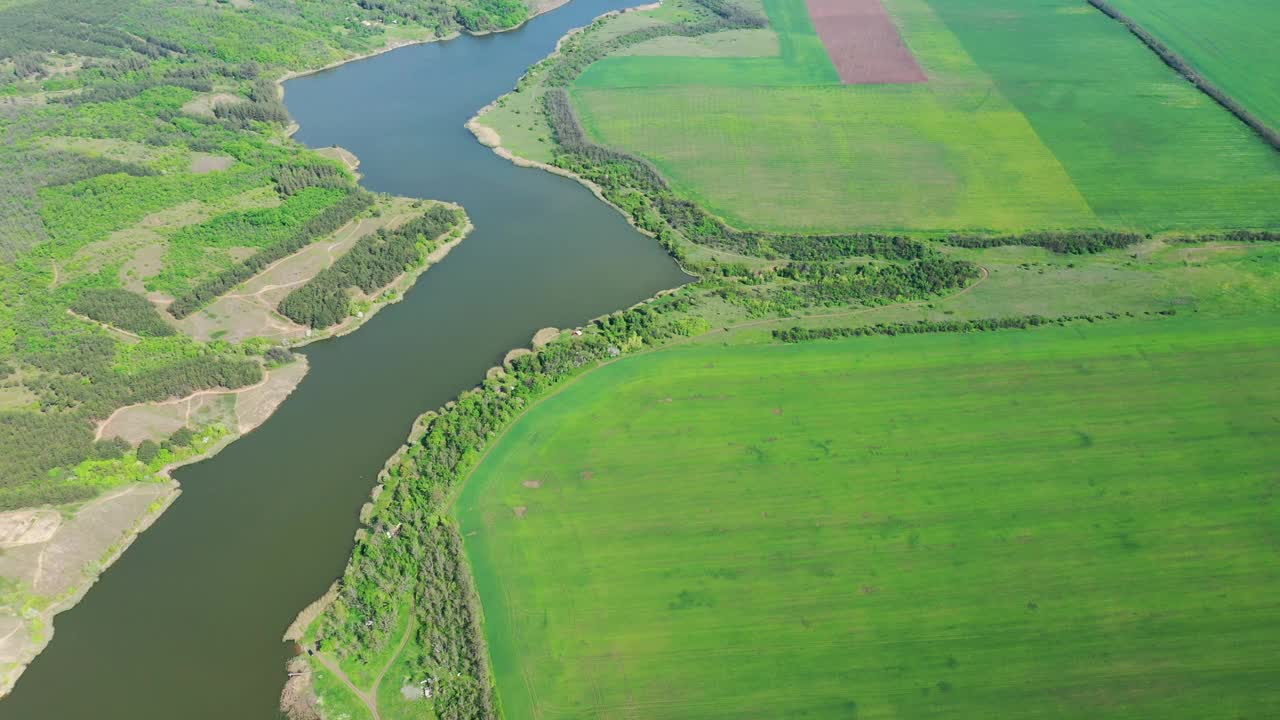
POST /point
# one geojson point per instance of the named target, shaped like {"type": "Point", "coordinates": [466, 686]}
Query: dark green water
{"type": "Point", "coordinates": [187, 625]}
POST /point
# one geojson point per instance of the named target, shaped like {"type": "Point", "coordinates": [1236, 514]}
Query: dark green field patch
{"type": "Point", "coordinates": [1074, 522]}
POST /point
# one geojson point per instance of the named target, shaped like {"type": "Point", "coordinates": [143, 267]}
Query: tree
{"type": "Point", "coordinates": [147, 451]}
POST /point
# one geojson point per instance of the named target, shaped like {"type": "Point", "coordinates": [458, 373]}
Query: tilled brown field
{"type": "Point", "coordinates": [863, 42]}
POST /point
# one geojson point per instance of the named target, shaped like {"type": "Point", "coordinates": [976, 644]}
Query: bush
{"type": "Point", "coordinates": [147, 451]}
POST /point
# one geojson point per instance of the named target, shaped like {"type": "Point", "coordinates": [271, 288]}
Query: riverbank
{"type": "Point", "coordinates": [53, 562]}
{"type": "Point", "coordinates": [28, 610]}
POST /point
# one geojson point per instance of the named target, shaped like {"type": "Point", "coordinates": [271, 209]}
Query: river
{"type": "Point", "coordinates": [187, 625]}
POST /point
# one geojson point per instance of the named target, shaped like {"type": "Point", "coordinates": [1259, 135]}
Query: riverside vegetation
{"type": "Point", "coordinates": [756, 289]}
{"type": "Point", "coordinates": [145, 172]}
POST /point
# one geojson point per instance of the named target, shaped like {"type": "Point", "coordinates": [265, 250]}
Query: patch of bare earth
{"type": "Point", "coordinates": [342, 155]}
{"type": "Point", "coordinates": [204, 104]}
{"type": "Point", "coordinates": [56, 564]}
{"type": "Point", "coordinates": [250, 310]}
{"type": "Point", "coordinates": [863, 42]}
{"type": "Point", "coordinates": [202, 163]}
{"type": "Point", "coordinates": [239, 410]}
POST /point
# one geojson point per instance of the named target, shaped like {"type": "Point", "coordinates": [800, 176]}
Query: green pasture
{"type": "Point", "coordinates": [1230, 42]}
{"type": "Point", "coordinates": [1069, 522]}
{"type": "Point", "coordinates": [1045, 115]}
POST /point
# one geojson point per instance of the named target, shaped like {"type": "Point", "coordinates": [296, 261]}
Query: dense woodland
{"type": "Point", "coordinates": [373, 262]}
{"type": "Point", "coordinates": [123, 309]}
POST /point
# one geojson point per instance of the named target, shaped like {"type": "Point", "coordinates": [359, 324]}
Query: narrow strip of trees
{"type": "Point", "coordinates": [373, 262]}
{"type": "Point", "coordinates": [123, 309]}
{"type": "Point", "coordinates": [323, 224]}
{"type": "Point", "coordinates": [1269, 135]}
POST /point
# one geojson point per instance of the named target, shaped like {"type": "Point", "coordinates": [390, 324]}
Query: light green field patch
{"type": "Point", "coordinates": [1146, 149]}
{"type": "Point", "coordinates": [1070, 522]}
{"type": "Point", "coordinates": [802, 60]}
{"type": "Point", "coordinates": [1015, 129]}
{"type": "Point", "coordinates": [945, 155]}
{"type": "Point", "coordinates": [734, 43]}
{"type": "Point", "coordinates": [1233, 44]}
{"type": "Point", "coordinates": [826, 158]}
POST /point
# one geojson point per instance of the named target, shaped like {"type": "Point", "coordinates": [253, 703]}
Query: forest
{"type": "Point", "coordinates": [373, 262]}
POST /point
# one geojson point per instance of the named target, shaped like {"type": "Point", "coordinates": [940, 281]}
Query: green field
{"type": "Point", "coordinates": [1070, 522]}
{"type": "Point", "coordinates": [1232, 43]}
{"type": "Point", "coordinates": [1035, 116]}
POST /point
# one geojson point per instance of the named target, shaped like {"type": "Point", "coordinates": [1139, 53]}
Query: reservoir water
{"type": "Point", "coordinates": [187, 625]}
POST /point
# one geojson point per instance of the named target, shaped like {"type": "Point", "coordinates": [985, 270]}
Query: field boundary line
{"type": "Point", "coordinates": [457, 489]}
{"type": "Point", "coordinates": [1189, 72]}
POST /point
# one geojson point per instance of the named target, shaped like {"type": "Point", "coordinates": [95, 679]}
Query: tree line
{"type": "Point", "coordinates": [1269, 135]}
{"type": "Point", "coordinates": [1066, 243]}
{"type": "Point", "coordinates": [333, 218]}
{"type": "Point", "coordinates": [373, 262]}
{"type": "Point", "coordinates": [1017, 322]}
{"type": "Point", "coordinates": [123, 309]}
{"type": "Point", "coordinates": [621, 177]}
{"type": "Point", "coordinates": [409, 553]}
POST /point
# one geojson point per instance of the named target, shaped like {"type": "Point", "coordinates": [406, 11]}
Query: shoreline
{"type": "Point", "coordinates": [490, 138]}
{"type": "Point", "coordinates": [29, 650]}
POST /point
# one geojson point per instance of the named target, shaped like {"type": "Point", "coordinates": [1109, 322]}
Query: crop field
{"type": "Point", "coordinates": [1232, 43]}
{"type": "Point", "coordinates": [1034, 116]}
{"type": "Point", "coordinates": [1068, 522]}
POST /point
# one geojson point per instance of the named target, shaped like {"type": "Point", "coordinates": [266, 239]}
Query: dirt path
{"type": "Point", "coordinates": [266, 377]}
{"type": "Point", "coordinates": [105, 326]}
{"type": "Point", "coordinates": [370, 699]}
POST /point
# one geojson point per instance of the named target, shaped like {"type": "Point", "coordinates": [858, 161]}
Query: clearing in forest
{"type": "Point", "coordinates": [1064, 522]}
{"type": "Point", "coordinates": [1034, 116]}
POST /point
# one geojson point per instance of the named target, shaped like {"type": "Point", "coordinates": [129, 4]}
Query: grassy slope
{"type": "Point", "coordinates": [1012, 132]}
{"type": "Point", "coordinates": [1057, 523]}
{"type": "Point", "coordinates": [1231, 43]}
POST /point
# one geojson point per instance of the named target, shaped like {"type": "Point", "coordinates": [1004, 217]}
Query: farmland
{"type": "Point", "coordinates": [1231, 43]}
{"type": "Point", "coordinates": [1051, 523]}
{"type": "Point", "coordinates": [1012, 131]}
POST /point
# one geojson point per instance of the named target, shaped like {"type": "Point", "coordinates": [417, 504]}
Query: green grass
{"type": "Point", "coordinates": [1035, 116]}
{"type": "Point", "coordinates": [1071, 522]}
{"type": "Point", "coordinates": [1231, 43]}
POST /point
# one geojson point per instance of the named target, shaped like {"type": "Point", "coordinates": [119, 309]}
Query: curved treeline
{"type": "Point", "coordinates": [123, 309]}
{"type": "Point", "coordinates": [1270, 135]}
{"type": "Point", "coordinates": [410, 555]}
{"type": "Point", "coordinates": [712, 16]}
{"type": "Point", "coordinates": [325, 223]}
{"type": "Point", "coordinates": [373, 262]}
{"type": "Point", "coordinates": [634, 185]}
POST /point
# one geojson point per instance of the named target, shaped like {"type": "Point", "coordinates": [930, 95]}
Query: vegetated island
{"type": "Point", "coordinates": [166, 248]}
{"type": "Point", "coordinates": [469, 587]}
